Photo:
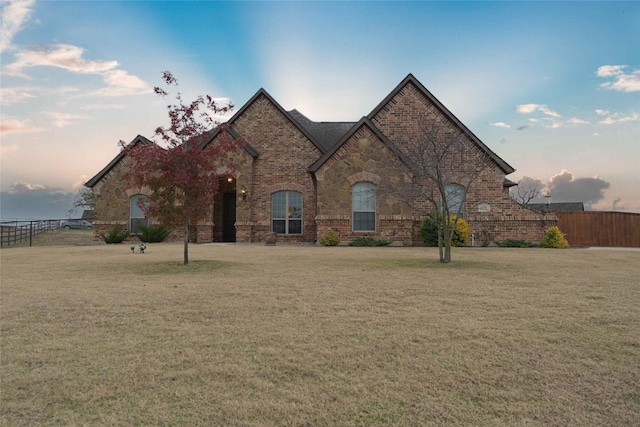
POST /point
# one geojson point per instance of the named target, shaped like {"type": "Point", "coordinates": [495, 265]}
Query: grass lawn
{"type": "Point", "coordinates": [253, 335]}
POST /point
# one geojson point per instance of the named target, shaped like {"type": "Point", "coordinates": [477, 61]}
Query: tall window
{"type": "Point", "coordinates": [455, 199]}
{"type": "Point", "coordinates": [136, 215]}
{"type": "Point", "coordinates": [286, 212]}
{"type": "Point", "coordinates": [364, 206]}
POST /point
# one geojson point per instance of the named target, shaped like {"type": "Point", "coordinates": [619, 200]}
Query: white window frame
{"type": "Point", "coordinates": [136, 214]}
{"type": "Point", "coordinates": [359, 192]}
{"type": "Point", "coordinates": [290, 216]}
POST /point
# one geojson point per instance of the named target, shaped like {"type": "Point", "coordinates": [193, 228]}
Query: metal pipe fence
{"type": "Point", "coordinates": [18, 232]}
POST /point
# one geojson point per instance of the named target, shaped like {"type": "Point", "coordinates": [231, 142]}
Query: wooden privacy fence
{"type": "Point", "coordinates": [17, 232]}
{"type": "Point", "coordinates": [591, 228]}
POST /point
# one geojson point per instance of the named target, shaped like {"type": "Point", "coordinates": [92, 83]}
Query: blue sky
{"type": "Point", "coordinates": [552, 88]}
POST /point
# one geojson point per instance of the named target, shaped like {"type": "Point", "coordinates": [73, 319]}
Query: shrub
{"type": "Point", "coordinates": [516, 243]}
{"type": "Point", "coordinates": [368, 241]}
{"type": "Point", "coordinates": [155, 233]}
{"type": "Point", "coordinates": [330, 238]}
{"type": "Point", "coordinates": [116, 234]}
{"type": "Point", "coordinates": [462, 233]}
{"type": "Point", "coordinates": [429, 231]}
{"type": "Point", "coordinates": [554, 238]}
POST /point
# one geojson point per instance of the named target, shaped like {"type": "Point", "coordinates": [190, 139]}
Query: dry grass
{"type": "Point", "coordinates": [288, 335]}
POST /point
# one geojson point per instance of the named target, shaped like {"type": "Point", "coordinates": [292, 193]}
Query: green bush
{"type": "Point", "coordinates": [155, 233]}
{"type": "Point", "coordinates": [516, 243]}
{"type": "Point", "coordinates": [330, 238]}
{"type": "Point", "coordinates": [116, 234]}
{"type": "Point", "coordinates": [554, 238]}
{"type": "Point", "coordinates": [368, 241]}
{"type": "Point", "coordinates": [429, 231]}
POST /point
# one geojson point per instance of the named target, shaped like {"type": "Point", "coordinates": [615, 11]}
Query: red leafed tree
{"type": "Point", "coordinates": [181, 176]}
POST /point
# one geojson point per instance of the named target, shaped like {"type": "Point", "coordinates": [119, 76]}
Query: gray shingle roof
{"type": "Point", "coordinates": [558, 206]}
{"type": "Point", "coordinates": [327, 134]}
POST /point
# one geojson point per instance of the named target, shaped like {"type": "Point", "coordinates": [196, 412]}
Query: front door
{"type": "Point", "coordinates": [229, 217]}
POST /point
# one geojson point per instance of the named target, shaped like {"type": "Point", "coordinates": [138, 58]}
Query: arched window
{"type": "Point", "coordinates": [136, 214]}
{"type": "Point", "coordinates": [363, 197]}
{"type": "Point", "coordinates": [286, 212]}
{"type": "Point", "coordinates": [455, 199]}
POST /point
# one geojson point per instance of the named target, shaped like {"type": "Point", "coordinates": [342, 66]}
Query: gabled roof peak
{"type": "Point", "coordinates": [93, 181]}
{"type": "Point", "coordinates": [506, 168]}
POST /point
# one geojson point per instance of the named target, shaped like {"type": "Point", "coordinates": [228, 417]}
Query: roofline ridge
{"type": "Point", "coordinates": [410, 78]}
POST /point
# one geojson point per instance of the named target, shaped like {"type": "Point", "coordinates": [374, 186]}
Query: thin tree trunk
{"type": "Point", "coordinates": [186, 242]}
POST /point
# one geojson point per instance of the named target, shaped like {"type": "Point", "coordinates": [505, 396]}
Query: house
{"type": "Point", "coordinates": [558, 206]}
{"type": "Point", "coordinates": [300, 179]}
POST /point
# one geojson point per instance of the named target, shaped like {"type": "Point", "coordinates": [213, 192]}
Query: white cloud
{"type": "Point", "coordinates": [622, 81]}
{"type": "Point", "coordinates": [554, 125]}
{"type": "Point", "coordinates": [24, 187]}
{"type": "Point", "coordinates": [61, 120]}
{"type": "Point", "coordinates": [13, 95]}
{"type": "Point", "coordinates": [602, 112]}
{"type": "Point", "coordinates": [618, 118]}
{"type": "Point", "coordinates": [576, 121]}
{"type": "Point", "coordinates": [500, 125]}
{"type": "Point", "coordinates": [13, 125]}
{"type": "Point", "coordinates": [65, 56]}
{"type": "Point", "coordinates": [14, 15]}
{"type": "Point", "coordinates": [610, 70]}
{"type": "Point", "coordinates": [70, 58]}
{"type": "Point", "coordinates": [531, 108]}
{"type": "Point", "coordinates": [121, 83]}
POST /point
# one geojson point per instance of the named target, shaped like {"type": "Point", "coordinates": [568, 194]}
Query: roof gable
{"type": "Point", "coordinates": [410, 79]}
{"type": "Point", "coordinates": [365, 121]}
{"type": "Point", "coordinates": [263, 93]}
{"type": "Point", "coordinates": [93, 181]}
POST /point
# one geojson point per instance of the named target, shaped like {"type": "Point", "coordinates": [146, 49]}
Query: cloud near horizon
{"type": "Point", "coordinates": [565, 187]}
{"type": "Point", "coordinates": [35, 201]}
{"type": "Point", "coordinates": [614, 118]}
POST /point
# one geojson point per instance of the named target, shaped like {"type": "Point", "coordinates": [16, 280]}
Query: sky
{"type": "Point", "coordinates": [553, 88]}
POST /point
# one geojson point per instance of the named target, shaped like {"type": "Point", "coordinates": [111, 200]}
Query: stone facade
{"type": "Point", "coordinates": [321, 162]}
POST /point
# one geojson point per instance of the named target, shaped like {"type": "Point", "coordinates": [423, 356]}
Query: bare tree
{"type": "Point", "coordinates": [84, 199]}
{"type": "Point", "coordinates": [441, 164]}
{"type": "Point", "coordinates": [526, 190]}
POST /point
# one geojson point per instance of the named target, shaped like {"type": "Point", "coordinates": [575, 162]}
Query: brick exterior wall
{"type": "Point", "coordinates": [505, 217]}
{"type": "Point", "coordinates": [112, 206]}
{"type": "Point", "coordinates": [285, 155]}
{"type": "Point", "coordinates": [363, 158]}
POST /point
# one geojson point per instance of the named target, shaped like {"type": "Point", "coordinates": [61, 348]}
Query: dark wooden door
{"type": "Point", "coordinates": [229, 217]}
